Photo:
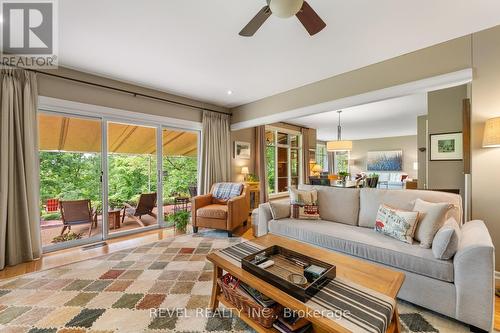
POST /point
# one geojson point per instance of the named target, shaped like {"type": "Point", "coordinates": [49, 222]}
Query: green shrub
{"type": "Point", "coordinates": [66, 237]}
{"type": "Point", "coordinates": [51, 216]}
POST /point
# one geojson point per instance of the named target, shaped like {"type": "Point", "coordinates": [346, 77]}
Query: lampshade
{"type": "Point", "coordinates": [317, 168]}
{"type": "Point", "coordinates": [244, 171]}
{"type": "Point", "coordinates": [491, 137]}
{"type": "Point", "coordinates": [339, 145]}
{"type": "Point", "coordinates": [285, 8]}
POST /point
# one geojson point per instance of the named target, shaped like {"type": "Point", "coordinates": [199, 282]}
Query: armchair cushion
{"type": "Point", "coordinates": [222, 192]}
{"type": "Point", "coordinates": [213, 212]}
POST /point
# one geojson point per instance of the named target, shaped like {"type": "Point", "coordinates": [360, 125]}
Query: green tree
{"type": "Point", "coordinates": [72, 176]}
{"type": "Point", "coordinates": [179, 172]}
{"type": "Point", "coordinates": [129, 176]}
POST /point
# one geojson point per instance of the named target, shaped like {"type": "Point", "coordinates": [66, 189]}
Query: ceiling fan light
{"type": "Point", "coordinates": [285, 8]}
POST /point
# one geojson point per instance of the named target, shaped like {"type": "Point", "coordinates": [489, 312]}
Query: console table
{"type": "Point", "coordinates": [253, 189]}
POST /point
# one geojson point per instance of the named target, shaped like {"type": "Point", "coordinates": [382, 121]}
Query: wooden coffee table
{"type": "Point", "coordinates": [375, 277]}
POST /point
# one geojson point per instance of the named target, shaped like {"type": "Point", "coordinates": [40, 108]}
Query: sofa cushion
{"type": "Point", "coordinates": [367, 244]}
{"type": "Point", "coordinates": [371, 199]}
{"type": "Point", "coordinates": [432, 217]}
{"type": "Point", "coordinates": [280, 209]}
{"type": "Point", "coordinates": [447, 239]}
{"type": "Point", "coordinates": [339, 205]}
{"type": "Point", "coordinates": [213, 212]}
{"type": "Point", "coordinates": [304, 204]}
{"type": "Point", "coordinates": [396, 223]}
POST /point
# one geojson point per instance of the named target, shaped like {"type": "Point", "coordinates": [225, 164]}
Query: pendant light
{"type": "Point", "coordinates": [339, 145]}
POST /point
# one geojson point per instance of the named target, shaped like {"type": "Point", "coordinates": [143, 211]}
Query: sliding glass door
{"type": "Point", "coordinates": [180, 171]}
{"type": "Point", "coordinates": [132, 177]}
{"type": "Point", "coordinates": [100, 177]}
{"type": "Point", "coordinates": [70, 152]}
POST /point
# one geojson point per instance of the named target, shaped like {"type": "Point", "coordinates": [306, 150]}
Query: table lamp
{"type": "Point", "coordinates": [245, 172]}
{"type": "Point", "coordinates": [316, 170]}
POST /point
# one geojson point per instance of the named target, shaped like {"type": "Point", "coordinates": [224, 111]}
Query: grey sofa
{"type": "Point", "coordinates": [461, 288]}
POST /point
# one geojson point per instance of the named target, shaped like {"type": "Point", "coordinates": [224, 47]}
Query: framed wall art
{"type": "Point", "coordinates": [446, 147]}
{"type": "Point", "coordinates": [242, 150]}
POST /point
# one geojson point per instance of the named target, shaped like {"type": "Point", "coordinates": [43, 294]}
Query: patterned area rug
{"type": "Point", "coordinates": [122, 292]}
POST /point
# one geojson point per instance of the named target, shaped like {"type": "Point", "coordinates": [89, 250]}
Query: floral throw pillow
{"type": "Point", "coordinates": [304, 204]}
{"type": "Point", "coordinates": [395, 223]}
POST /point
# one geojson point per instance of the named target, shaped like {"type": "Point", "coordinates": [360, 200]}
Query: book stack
{"type": "Point", "coordinates": [292, 323]}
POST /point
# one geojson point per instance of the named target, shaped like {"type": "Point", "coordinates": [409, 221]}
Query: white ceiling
{"type": "Point", "coordinates": [192, 47]}
{"type": "Point", "coordinates": [393, 117]}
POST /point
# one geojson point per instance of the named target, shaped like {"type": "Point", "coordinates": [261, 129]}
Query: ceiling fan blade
{"type": "Point", "coordinates": [310, 20]}
{"type": "Point", "coordinates": [251, 28]}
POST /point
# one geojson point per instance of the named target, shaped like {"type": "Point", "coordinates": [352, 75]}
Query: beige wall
{"type": "Point", "coordinates": [360, 149]}
{"type": "Point", "coordinates": [312, 138]}
{"type": "Point", "coordinates": [486, 104]}
{"type": "Point", "coordinates": [437, 60]}
{"type": "Point", "coordinates": [79, 92]}
{"type": "Point", "coordinates": [245, 135]}
{"type": "Point", "coordinates": [422, 155]}
{"type": "Point", "coordinates": [445, 116]}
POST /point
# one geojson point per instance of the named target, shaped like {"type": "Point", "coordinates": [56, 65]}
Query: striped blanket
{"type": "Point", "coordinates": [352, 306]}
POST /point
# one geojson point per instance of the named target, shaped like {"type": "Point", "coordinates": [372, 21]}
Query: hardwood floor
{"type": "Point", "coordinates": [68, 256]}
{"type": "Point", "coordinates": [497, 313]}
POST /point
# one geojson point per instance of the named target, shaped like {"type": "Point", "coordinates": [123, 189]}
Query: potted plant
{"type": "Point", "coordinates": [252, 178]}
{"type": "Point", "coordinates": [343, 176]}
{"type": "Point", "coordinates": [180, 219]}
{"type": "Point", "coordinates": [372, 180]}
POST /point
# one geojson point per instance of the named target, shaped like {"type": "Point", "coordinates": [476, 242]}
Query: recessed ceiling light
{"type": "Point", "coordinates": [229, 92]}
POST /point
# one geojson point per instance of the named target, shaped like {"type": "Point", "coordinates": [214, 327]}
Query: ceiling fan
{"type": "Point", "coordinates": [285, 9]}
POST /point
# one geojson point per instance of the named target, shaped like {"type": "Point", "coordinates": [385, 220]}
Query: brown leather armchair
{"type": "Point", "coordinates": [209, 212]}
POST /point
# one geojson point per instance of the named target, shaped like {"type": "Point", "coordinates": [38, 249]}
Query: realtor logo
{"type": "Point", "coordinates": [29, 36]}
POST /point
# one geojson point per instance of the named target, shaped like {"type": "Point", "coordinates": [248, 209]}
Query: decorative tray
{"type": "Point", "coordinates": [294, 273]}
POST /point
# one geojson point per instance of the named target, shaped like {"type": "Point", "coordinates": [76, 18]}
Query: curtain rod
{"type": "Point", "coordinates": [135, 94]}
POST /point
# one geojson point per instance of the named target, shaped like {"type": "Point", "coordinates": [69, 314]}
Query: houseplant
{"type": "Point", "coordinates": [372, 180]}
{"type": "Point", "coordinates": [180, 219]}
{"type": "Point", "coordinates": [343, 176]}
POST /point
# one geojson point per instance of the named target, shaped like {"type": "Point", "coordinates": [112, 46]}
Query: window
{"type": "Point", "coordinates": [283, 160]}
{"type": "Point", "coordinates": [322, 156]}
{"type": "Point", "coordinates": [341, 161]}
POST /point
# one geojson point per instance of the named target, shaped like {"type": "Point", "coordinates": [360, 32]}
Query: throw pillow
{"type": "Point", "coordinates": [304, 204]}
{"type": "Point", "coordinates": [447, 239]}
{"type": "Point", "coordinates": [432, 217]}
{"type": "Point", "coordinates": [280, 209]}
{"type": "Point", "coordinates": [395, 223]}
{"type": "Point", "coordinates": [222, 192]}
